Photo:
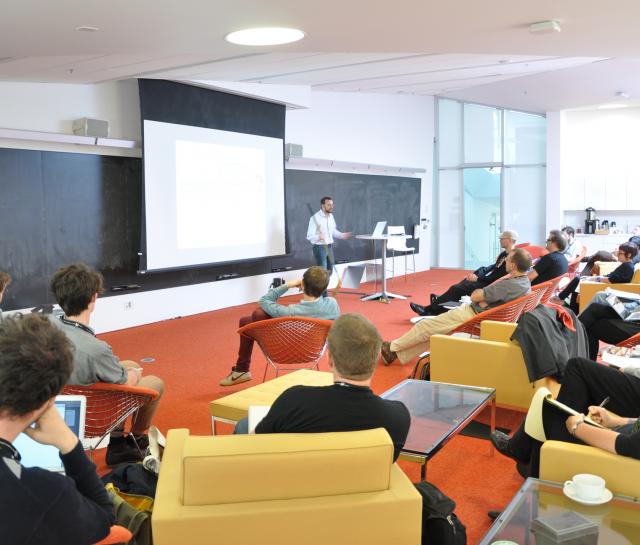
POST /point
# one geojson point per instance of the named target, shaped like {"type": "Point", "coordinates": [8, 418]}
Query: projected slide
{"type": "Point", "coordinates": [211, 196]}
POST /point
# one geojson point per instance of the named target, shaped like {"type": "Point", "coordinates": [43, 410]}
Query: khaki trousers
{"type": "Point", "coordinates": [417, 340]}
{"type": "Point", "coordinates": [142, 420]}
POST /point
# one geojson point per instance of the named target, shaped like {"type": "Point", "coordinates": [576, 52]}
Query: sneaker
{"type": "Point", "coordinates": [433, 298]}
{"type": "Point", "coordinates": [236, 377]}
{"type": "Point", "coordinates": [141, 440]}
{"type": "Point", "coordinates": [388, 355]}
{"type": "Point", "coordinates": [121, 451]}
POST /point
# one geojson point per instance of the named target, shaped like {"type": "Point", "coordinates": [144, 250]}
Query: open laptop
{"type": "Point", "coordinates": [379, 229]}
{"type": "Point", "coordinates": [73, 410]}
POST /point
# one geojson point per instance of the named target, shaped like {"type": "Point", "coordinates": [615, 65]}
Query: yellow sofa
{"type": "Point", "coordinates": [492, 361]}
{"type": "Point", "coordinates": [589, 289]}
{"type": "Point", "coordinates": [560, 461]}
{"type": "Point", "coordinates": [284, 489]}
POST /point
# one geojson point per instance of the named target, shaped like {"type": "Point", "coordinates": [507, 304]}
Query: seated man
{"type": "Point", "coordinates": [476, 280]}
{"type": "Point", "coordinates": [417, 339]}
{"type": "Point", "coordinates": [39, 506]}
{"type": "Point", "coordinates": [574, 247]}
{"type": "Point", "coordinates": [348, 405]}
{"type": "Point", "coordinates": [313, 284]}
{"type": "Point", "coordinates": [621, 275]}
{"type": "Point", "coordinates": [76, 289]}
{"type": "Point", "coordinates": [5, 280]}
{"type": "Point", "coordinates": [585, 385]}
{"type": "Point", "coordinates": [553, 264]}
{"type": "Point", "coordinates": [603, 323]}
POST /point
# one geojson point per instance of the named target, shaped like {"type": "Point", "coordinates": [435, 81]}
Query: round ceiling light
{"type": "Point", "coordinates": [265, 36]}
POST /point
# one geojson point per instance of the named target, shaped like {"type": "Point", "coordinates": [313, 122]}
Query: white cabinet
{"type": "Point", "coordinates": [574, 195]}
{"type": "Point", "coordinates": [615, 193]}
{"type": "Point", "coordinates": [633, 193]}
{"type": "Point", "coordinates": [602, 193]}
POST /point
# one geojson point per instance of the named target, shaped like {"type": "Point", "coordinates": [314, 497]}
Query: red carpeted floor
{"type": "Point", "coordinates": [193, 353]}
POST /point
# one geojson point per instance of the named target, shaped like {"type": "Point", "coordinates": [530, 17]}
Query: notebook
{"type": "Point", "coordinates": [33, 454]}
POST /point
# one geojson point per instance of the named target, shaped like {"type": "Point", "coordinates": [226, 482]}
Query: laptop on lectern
{"type": "Point", "coordinates": [34, 454]}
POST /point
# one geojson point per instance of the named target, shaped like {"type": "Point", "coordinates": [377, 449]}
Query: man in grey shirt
{"type": "Point", "coordinates": [313, 283]}
{"type": "Point", "coordinates": [417, 339]}
{"type": "Point", "coordinates": [76, 289]}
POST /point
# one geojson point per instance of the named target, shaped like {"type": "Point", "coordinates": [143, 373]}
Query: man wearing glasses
{"type": "Point", "coordinates": [553, 264]}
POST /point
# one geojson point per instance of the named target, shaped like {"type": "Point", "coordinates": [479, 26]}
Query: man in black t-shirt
{"type": "Point", "coordinates": [349, 404]}
{"type": "Point", "coordinates": [553, 264]}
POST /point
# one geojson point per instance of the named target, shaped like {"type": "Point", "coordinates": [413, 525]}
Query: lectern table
{"type": "Point", "coordinates": [384, 294]}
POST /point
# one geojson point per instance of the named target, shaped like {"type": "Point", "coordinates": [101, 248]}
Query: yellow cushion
{"type": "Point", "coordinates": [236, 405]}
{"type": "Point", "coordinates": [243, 468]}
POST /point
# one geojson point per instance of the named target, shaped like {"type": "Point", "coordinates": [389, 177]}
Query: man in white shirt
{"type": "Point", "coordinates": [574, 247]}
{"type": "Point", "coordinates": [321, 232]}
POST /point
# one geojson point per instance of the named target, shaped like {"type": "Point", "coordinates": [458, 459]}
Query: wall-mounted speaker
{"type": "Point", "coordinates": [91, 127]}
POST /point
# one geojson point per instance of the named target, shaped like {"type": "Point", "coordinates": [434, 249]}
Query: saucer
{"type": "Point", "coordinates": [570, 493]}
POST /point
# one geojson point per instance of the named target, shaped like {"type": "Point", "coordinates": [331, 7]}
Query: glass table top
{"type": "Point", "coordinates": [618, 520]}
{"type": "Point", "coordinates": [437, 411]}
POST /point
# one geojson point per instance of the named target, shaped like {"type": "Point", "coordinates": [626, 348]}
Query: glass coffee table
{"type": "Point", "coordinates": [618, 520]}
{"type": "Point", "coordinates": [438, 412]}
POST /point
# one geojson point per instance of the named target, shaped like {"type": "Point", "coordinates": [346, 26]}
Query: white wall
{"type": "Point", "coordinates": [50, 107]}
{"type": "Point", "coordinates": [391, 130]}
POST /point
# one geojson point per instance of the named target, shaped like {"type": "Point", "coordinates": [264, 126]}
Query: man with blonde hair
{"type": "Point", "coordinates": [348, 404]}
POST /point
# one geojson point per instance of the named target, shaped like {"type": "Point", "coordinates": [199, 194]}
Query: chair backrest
{"type": "Point", "coordinates": [573, 265]}
{"type": "Point", "coordinates": [536, 295]}
{"type": "Point", "coordinates": [508, 312]}
{"type": "Point", "coordinates": [289, 340]}
{"type": "Point", "coordinates": [536, 251]}
{"type": "Point", "coordinates": [398, 243]}
{"type": "Point", "coordinates": [552, 288]}
{"type": "Point", "coordinates": [631, 341]}
{"type": "Point", "coordinates": [109, 404]}
{"type": "Point", "coordinates": [117, 534]}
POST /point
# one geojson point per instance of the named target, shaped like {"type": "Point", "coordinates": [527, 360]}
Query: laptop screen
{"type": "Point", "coordinates": [33, 454]}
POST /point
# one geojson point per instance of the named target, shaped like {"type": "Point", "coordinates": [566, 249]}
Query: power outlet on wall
{"type": "Point", "coordinates": [128, 305]}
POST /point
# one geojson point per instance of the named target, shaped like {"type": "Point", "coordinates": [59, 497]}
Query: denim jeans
{"type": "Point", "coordinates": [322, 256]}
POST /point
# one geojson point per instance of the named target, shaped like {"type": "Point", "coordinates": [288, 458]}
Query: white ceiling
{"type": "Point", "coordinates": [464, 49]}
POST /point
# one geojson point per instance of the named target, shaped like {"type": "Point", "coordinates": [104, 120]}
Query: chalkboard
{"type": "Point", "coordinates": [360, 201]}
{"type": "Point", "coordinates": [59, 208]}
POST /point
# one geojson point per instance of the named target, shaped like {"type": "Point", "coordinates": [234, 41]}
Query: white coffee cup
{"type": "Point", "coordinates": [587, 486]}
{"type": "Point", "coordinates": [465, 299]}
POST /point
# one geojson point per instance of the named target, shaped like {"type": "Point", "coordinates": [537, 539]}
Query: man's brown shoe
{"type": "Point", "coordinates": [388, 355]}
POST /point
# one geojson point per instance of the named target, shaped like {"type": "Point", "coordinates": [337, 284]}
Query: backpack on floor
{"type": "Point", "coordinates": [440, 525]}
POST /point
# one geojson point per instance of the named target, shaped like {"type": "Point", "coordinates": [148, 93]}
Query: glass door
{"type": "Point", "coordinates": [481, 190]}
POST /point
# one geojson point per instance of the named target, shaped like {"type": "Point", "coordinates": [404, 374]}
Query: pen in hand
{"type": "Point", "coordinates": [604, 402]}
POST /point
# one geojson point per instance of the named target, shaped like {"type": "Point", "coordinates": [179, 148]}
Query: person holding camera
{"type": "Point", "coordinates": [313, 305]}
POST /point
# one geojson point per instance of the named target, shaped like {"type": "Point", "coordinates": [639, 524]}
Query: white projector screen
{"type": "Point", "coordinates": [211, 196]}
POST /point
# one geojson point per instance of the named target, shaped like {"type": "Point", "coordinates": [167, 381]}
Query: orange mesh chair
{"type": "Point", "coordinates": [118, 534]}
{"type": "Point", "coordinates": [536, 251]}
{"type": "Point", "coordinates": [108, 406]}
{"type": "Point", "coordinates": [575, 263]}
{"type": "Point", "coordinates": [509, 312]}
{"type": "Point", "coordinates": [536, 295]}
{"type": "Point", "coordinates": [552, 288]}
{"type": "Point", "coordinates": [631, 341]}
{"type": "Point", "coordinates": [289, 343]}
{"type": "Point", "coordinates": [522, 245]}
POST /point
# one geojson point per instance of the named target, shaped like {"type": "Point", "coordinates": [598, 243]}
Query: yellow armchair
{"type": "Point", "coordinates": [492, 361]}
{"type": "Point", "coordinates": [284, 489]}
{"type": "Point", "coordinates": [589, 289]}
{"type": "Point", "coordinates": [560, 461]}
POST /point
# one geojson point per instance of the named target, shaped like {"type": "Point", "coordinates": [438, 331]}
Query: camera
{"type": "Point", "coordinates": [277, 282]}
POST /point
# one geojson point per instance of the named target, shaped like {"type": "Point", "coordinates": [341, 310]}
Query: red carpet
{"type": "Point", "coordinates": [193, 353]}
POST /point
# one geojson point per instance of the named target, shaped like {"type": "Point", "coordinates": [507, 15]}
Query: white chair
{"type": "Point", "coordinates": [399, 244]}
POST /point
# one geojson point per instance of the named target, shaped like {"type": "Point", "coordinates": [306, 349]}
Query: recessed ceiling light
{"type": "Point", "coordinates": [265, 36]}
{"type": "Point", "coordinates": [85, 28]}
{"type": "Point", "coordinates": [612, 106]}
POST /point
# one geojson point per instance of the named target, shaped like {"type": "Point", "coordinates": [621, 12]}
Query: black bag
{"type": "Point", "coordinates": [440, 525]}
